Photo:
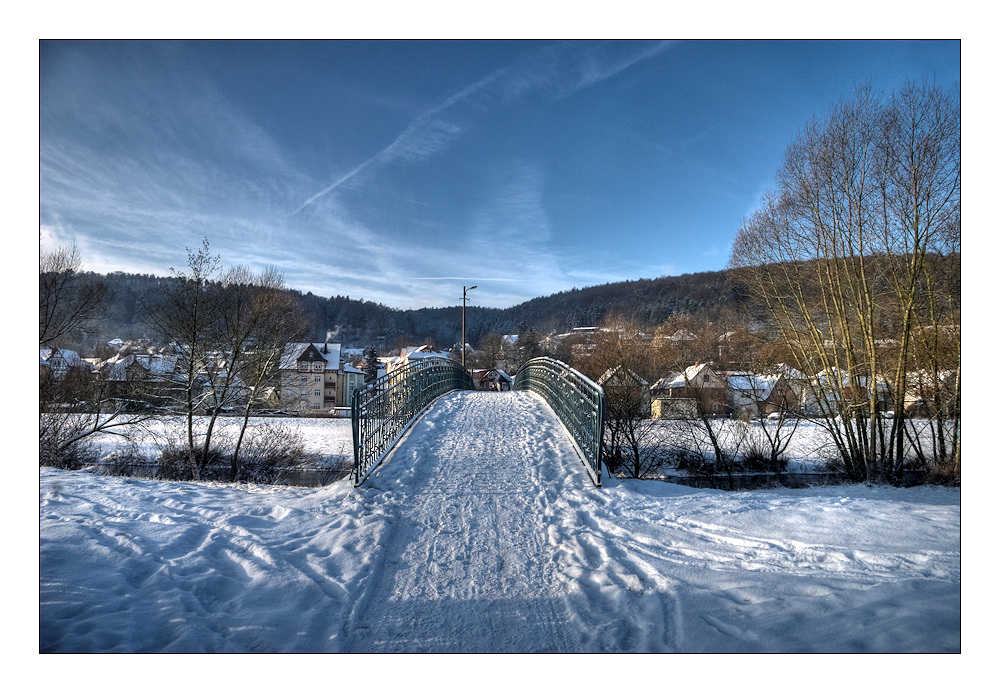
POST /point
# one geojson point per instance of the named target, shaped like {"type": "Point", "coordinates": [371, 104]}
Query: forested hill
{"type": "Point", "coordinates": [357, 323]}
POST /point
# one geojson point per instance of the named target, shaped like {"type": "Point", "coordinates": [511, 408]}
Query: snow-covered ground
{"type": "Point", "coordinates": [810, 447]}
{"type": "Point", "coordinates": [328, 438]}
{"type": "Point", "coordinates": [468, 542]}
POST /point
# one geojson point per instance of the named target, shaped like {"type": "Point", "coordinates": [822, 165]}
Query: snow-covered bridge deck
{"type": "Point", "coordinates": [472, 562]}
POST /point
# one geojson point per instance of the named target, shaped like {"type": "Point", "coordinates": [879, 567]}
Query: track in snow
{"type": "Point", "coordinates": [469, 565]}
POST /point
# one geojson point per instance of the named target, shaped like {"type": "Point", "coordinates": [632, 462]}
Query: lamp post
{"type": "Point", "coordinates": [464, 291]}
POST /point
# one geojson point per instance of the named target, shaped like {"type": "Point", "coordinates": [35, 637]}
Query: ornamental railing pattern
{"type": "Point", "coordinates": [382, 410]}
{"type": "Point", "coordinates": [576, 399]}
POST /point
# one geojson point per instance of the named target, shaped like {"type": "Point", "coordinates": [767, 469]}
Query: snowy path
{"type": "Point", "coordinates": [470, 565]}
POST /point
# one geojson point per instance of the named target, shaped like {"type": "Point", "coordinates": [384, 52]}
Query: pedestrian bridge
{"type": "Point", "coordinates": [384, 411]}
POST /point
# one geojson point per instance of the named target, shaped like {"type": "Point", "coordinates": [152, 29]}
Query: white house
{"type": "Point", "coordinates": [678, 394]}
{"type": "Point", "coordinates": [757, 394]}
{"type": "Point", "coordinates": [413, 354]}
{"type": "Point", "coordinates": [59, 362]}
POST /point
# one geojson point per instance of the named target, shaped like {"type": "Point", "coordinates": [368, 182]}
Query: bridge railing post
{"type": "Point", "coordinates": [576, 399]}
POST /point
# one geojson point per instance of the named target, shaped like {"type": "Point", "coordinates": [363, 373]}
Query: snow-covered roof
{"type": "Point", "coordinates": [834, 374]}
{"type": "Point", "coordinates": [789, 372]}
{"type": "Point", "coordinates": [329, 352]}
{"type": "Point", "coordinates": [759, 385]}
{"type": "Point", "coordinates": [619, 373]}
{"type": "Point", "coordinates": [681, 379]}
{"type": "Point", "coordinates": [420, 352]}
{"type": "Point", "coordinates": [479, 373]}
{"type": "Point", "coordinates": [157, 365]}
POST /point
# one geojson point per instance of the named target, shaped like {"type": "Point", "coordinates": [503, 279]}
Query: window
{"type": "Point", "coordinates": [317, 393]}
{"type": "Point", "coordinates": [318, 378]}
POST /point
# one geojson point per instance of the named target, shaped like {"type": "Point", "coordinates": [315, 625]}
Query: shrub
{"type": "Point", "coordinates": [61, 445]}
{"type": "Point", "coordinates": [127, 461]}
{"type": "Point", "coordinates": [268, 450]}
{"type": "Point", "coordinates": [174, 464]}
{"type": "Point", "coordinates": [692, 460]}
{"type": "Point", "coordinates": [947, 472]}
{"type": "Point", "coordinates": [756, 457]}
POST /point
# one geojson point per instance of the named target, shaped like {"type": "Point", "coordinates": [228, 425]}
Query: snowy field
{"type": "Point", "coordinates": [460, 543]}
{"type": "Point", "coordinates": [329, 438]}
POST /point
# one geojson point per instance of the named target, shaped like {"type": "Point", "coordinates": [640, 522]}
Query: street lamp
{"type": "Point", "coordinates": [464, 291]}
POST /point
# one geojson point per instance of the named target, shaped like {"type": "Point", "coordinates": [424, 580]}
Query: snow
{"type": "Point", "coordinates": [469, 541]}
{"type": "Point", "coordinates": [329, 438]}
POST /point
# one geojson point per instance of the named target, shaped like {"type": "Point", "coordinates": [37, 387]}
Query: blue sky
{"type": "Point", "coordinates": [399, 171]}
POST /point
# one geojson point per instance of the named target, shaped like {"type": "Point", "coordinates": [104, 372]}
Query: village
{"type": "Point", "coordinates": [320, 378]}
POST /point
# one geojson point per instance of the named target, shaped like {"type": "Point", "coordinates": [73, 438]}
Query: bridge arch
{"type": "Point", "coordinates": [576, 399]}
{"type": "Point", "coordinates": [382, 410]}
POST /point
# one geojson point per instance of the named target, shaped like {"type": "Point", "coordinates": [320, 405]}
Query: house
{"type": "Point", "coordinates": [924, 398]}
{"type": "Point", "coordinates": [152, 378]}
{"type": "Point", "coordinates": [492, 379]}
{"type": "Point", "coordinates": [351, 379]}
{"type": "Point", "coordinates": [414, 354]}
{"type": "Point", "coordinates": [699, 384]}
{"type": "Point", "coordinates": [308, 377]}
{"type": "Point", "coordinates": [59, 363]}
{"type": "Point", "coordinates": [834, 390]}
{"type": "Point", "coordinates": [758, 395]}
{"type": "Point", "coordinates": [620, 382]}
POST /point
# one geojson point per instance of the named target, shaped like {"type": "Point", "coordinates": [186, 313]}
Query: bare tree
{"type": "Point", "coordinates": [67, 302]}
{"type": "Point", "coordinates": [97, 408]}
{"type": "Point", "coordinates": [79, 404]}
{"type": "Point", "coordinates": [622, 362]}
{"type": "Point", "coordinates": [490, 351]}
{"type": "Point", "coordinates": [258, 319]}
{"type": "Point", "coordinates": [187, 318]}
{"type": "Point", "coordinates": [840, 255]}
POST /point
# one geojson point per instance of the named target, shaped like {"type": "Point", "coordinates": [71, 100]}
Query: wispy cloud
{"type": "Point", "coordinates": [590, 64]}
{"type": "Point", "coordinates": [562, 69]}
{"type": "Point", "coordinates": [164, 159]}
{"type": "Point", "coordinates": [425, 136]}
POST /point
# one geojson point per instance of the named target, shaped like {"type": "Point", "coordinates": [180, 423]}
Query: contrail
{"type": "Point", "coordinates": [418, 141]}
{"type": "Point", "coordinates": [405, 141]}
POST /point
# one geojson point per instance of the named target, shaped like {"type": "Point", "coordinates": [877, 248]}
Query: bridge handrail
{"type": "Point", "coordinates": [381, 410]}
{"type": "Point", "coordinates": [576, 399]}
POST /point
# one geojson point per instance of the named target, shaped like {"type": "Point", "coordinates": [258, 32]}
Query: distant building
{"type": "Point", "coordinates": [412, 354]}
{"type": "Point", "coordinates": [57, 363]}
{"type": "Point", "coordinates": [697, 384]}
{"type": "Point", "coordinates": [620, 381]}
{"type": "Point", "coordinates": [492, 379]}
{"type": "Point", "coordinates": [313, 377]}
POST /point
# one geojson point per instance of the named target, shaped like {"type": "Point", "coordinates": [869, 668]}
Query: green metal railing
{"type": "Point", "coordinates": [576, 399]}
{"type": "Point", "coordinates": [381, 411]}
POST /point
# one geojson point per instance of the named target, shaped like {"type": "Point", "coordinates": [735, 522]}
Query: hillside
{"type": "Point", "coordinates": [356, 323]}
